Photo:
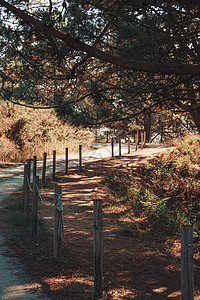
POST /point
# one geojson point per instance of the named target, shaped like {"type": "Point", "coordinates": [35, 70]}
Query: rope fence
{"type": "Point", "coordinates": [58, 209]}
{"type": "Point", "coordinates": [187, 272]}
{"type": "Point", "coordinates": [58, 232]}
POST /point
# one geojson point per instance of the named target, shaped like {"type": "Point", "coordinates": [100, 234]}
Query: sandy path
{"type": "Point", "coordinates": [14, 282]}
{"type": "Point", "coordinates": [11, 179]}
{"type": "Point", "coordinates": [132, 269]}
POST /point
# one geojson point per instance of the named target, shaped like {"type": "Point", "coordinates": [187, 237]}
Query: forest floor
{"type": "Point", "coordinates": [134, 265]}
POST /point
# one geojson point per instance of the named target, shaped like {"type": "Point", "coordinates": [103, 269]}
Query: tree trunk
{"type": "Point", "coordinates": [147, 124]}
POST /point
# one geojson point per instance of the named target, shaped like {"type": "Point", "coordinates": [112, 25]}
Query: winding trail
{"type": "Point", "coordinates": [14, 281]}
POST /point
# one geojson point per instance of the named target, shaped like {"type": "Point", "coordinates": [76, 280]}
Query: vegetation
{"type": "Point", "coordinates": [26, 132]}
{"type": "Point", "coordinates": [162, 194]}
{"type": "Point", "coordinates": [102, 61]}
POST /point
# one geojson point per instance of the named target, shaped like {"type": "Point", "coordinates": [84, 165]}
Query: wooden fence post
{"type": "Point", "coordinates": [187, 271]}
{"type": "Point", "coordinates": [66, 161]}
{"type": "Point", "coordinates": [27, 194]}
{"type": "Point", "coordinates": [44, 167]}
{"type": "Point", "coordinates": [54, 165]}
{"type": "Point", "coordinates": [35, 206]}
{"type": "Point", "coordinates": [34, 166]}
{"type": "Point", "coordinates": [24, 185]}
{"type": "Point", "coordinates": [112, 147]}
{"type": "Point", "coordinates": [80, 158]}
{"type": "Point", "coordinates": [57, 225]}
{"type": "Point", "coordinates": [107, 135]}
{"type": "Point", "coordinates": [120, 146]}
{"type": "Point", "coordinates": [98, 257]}
{"type": "Point", "coordinates": [142, 140]}
{"type": "Point", "coordinates": [129, 144]}
{"type": "Point", "coordinates": [136, 141]}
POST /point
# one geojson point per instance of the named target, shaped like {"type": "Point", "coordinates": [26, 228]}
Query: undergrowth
{"type": "Point", "coordinates": [27, 132]}
{"type": "Point", "coordinates": [162, 194]}
{"type": "Point", "coordinates": [19, 226]}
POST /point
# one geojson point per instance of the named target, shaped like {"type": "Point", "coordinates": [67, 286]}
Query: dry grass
{"type": "Point", "coordinates": [27, 132]}
{"type": "Point", "coordinates": [161, 195]}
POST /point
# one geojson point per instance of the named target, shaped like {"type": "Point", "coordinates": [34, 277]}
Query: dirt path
{"type": "Point", "coordinates": [11, 179]}
{"type": "Point", "coordinates": [132, 268]}
{"type": "Point", "coordinates": [14, 282]}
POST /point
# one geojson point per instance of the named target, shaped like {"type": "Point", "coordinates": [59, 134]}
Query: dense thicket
{"type": "Point", "coordinates": [98, 61]}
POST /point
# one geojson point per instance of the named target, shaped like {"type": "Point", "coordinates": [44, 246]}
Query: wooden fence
{"type": "Point", "coordinates": [187, 272]}
{"type": "Point", "coordinates": [34, 188]}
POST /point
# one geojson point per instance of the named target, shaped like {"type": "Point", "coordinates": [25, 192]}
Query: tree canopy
{"type": "Point", "coordinates": [99, 61]}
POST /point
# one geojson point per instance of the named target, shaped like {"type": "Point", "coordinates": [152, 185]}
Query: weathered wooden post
{"type": "Point", "coordinates": [187, 271]}
{"type": "Point", "coordinates": [27, 194]}
{"type": "Point", "coordinates": [34, 166]}
{"type": "Point", "coordinates": [54, 165]}
{"type": "Point", "coordinates": [80, 158]}
{"type": "Point", "coordinates": [98, 255]}
{"type": "Point", "coordinates": [142, 140]}
{"type": "Point", "coordinates": [44, 167]}
{"type": "Point", "coordinates": [112, 147]}
{"type": "Point", "coordinates": [107, 135]}
{"type": "Point", "coordinates": [136, 141]}
{"type": "Point", "coordinates": [120, 146]}
{"type": "Point", "coordinates": [25, 186]}
{"type": "Point", "coordinates": [66, 161]}
{"type": "Point", "coordinates": [35, 206]}
{"type": "Point", "coordinates": [57, 223]}
{"type": "Point", "coordinates": [129, 144]}
{"type": "Point", "coordinates": [29, 167]}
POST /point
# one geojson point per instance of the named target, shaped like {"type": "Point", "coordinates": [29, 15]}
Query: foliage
{"type": "Point", "coordinates": [27, 132]}
{"type": "Point", "coordinates": [165, 191]}
{"type": "Point", "coordinates": [102, 61]}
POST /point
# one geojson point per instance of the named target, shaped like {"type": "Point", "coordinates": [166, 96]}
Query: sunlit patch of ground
{"type": "Point", "coordinates": [133, 268]}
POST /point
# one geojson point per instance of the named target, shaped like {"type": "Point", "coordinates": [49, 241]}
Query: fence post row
{"type": "Point", "coordinates": [98, 260]}
{"type": "Point", "coordinates": [54, 165]}
{"type": "Point", "coordinates": [35, 206]}
{"type": "Point", "coordinates": [44, 167]}
{"type": "Point", "coordinates": [187, 271]}
{"type": "Point", "coordinates": [57, 224]}
{"type": "Point", "coordinates": [80, 158]}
